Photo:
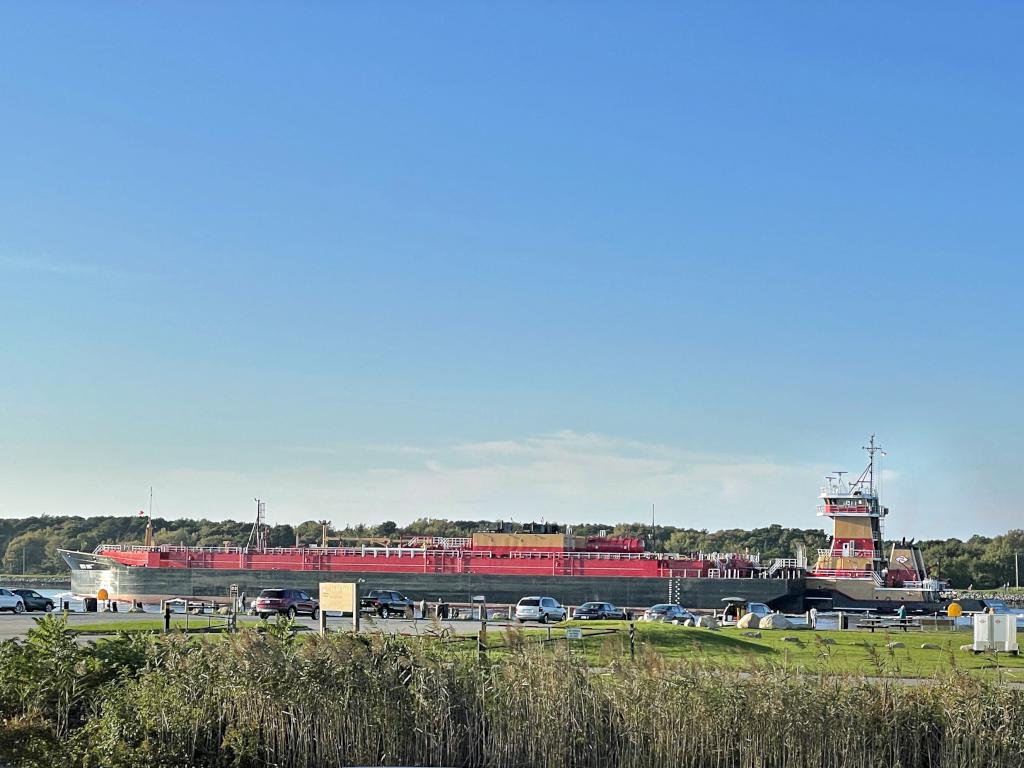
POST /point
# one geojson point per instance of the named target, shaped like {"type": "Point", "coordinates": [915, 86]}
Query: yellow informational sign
{"type": "Point", "coordinates": [337, 596]}
{"type": "Point", "coordinates": [954, 610]}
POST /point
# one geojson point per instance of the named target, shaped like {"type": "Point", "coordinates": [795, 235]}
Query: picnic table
{"type": "Point", "coordinates": [870, 622]}
{"type": "Point", "coordinates": [877, 622]}
{"type": "Point", "coordinates": [906, 623]}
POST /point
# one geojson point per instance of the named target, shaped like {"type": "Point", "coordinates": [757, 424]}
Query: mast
{"type": "Point", "coordinates": [872, 449]}
{"type": "Point", "coordinates": [258, 534]}
{"type": "Point", "coordinates": [149, 523]}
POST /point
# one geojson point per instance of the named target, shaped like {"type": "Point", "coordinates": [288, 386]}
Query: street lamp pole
{"type": "Point", "coordinates": [1016, 568]}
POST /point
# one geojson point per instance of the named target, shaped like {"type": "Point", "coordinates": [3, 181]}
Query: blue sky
{"type": "Point", "coordinates": [533, 261]}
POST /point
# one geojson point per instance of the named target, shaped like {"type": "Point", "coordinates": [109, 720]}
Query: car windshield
{"type": "Point", "coordinates": [662, 607]}
{"type": "Point", "coordinates": [274, 593]}
{"type": "Point", "coordinates": [530, 601]}
{"type": "Point", "coordinates": [591, 606]}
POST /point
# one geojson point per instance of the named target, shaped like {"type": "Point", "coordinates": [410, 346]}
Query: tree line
{"type": "Point", "coordinates": [29, 545]}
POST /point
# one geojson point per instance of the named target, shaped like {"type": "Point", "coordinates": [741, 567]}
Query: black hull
{"type": "Point", "coordinates": [90, 573]}
{"type": "Point", "coordinates": [828, 600]}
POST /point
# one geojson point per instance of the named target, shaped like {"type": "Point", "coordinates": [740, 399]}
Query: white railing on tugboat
{"type": "Point", "coordinates": [931, 584]}
{"type": "Point", "coordinates": [783, 562]}
{"type": "Point", "coordinates": [847, 573]}
{"type": "Point", "coordinates": [849, 553]}
{"type": "Point", "coordinates": [833, 509]}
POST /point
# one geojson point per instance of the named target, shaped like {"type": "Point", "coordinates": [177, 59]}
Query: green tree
{"type": "Point", "coordinates": [25, 553]}
{"type": "Point", "coordinates": [309, 532]}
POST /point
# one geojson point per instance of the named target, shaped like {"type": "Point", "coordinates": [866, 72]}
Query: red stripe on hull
{"type": "Point", "coordinates": [516, 563]}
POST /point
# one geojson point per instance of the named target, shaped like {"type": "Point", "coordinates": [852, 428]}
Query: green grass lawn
{"type": "Point", "coordinates": [145, 625]}
{"type": "Point", "coordinates": [831, 652]}
{"type": "Point", "coordinates": [850, 651]}
{"type": "Point", "coordinates": [198, 624]}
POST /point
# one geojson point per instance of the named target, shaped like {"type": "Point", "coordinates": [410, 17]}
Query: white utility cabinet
{"type": "Point", "coordinates": [995, 632]}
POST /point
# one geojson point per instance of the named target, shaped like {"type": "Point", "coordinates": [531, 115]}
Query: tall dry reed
{"type": "Point", "coordinates": [263, 701]}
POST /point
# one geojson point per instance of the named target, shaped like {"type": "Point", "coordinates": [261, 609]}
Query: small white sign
{"type": "Point", "coordinates": [574, 633]}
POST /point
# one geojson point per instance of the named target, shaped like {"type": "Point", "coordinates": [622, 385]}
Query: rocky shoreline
{"type": "Point", "coordinates": [35, 581]}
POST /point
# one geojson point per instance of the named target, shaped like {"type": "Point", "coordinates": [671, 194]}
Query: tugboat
{"type": "Point", "coordinates": [853, 572]}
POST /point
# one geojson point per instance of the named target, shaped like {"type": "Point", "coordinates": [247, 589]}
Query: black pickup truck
{"type": "Point", "coordinates": [384, 603]}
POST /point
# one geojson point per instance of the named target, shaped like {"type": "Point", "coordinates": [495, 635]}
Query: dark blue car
{"type": "Point", "coordinates": [599, 611]}
{"type": "Point", "coordinates": [34, 601]}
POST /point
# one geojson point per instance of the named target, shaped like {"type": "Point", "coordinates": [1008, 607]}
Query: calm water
{"type": "Point", "coordinates": [77, 604]}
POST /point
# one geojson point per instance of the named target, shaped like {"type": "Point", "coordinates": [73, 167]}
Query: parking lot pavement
{"type": "Point", "coordinates": [14, 625]}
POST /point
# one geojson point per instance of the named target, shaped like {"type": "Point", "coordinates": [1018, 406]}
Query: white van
{"type": "Point", "coordinates": [542, 609]}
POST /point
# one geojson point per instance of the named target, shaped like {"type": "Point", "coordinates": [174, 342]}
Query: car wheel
{"type": "Point", "coordinates": [316, 614]}
{"type": "Point", "coordinates": [290, 613]}
{"type": "Point", "coordinates": [543, 618]}
{"type": "Point", "coordinates": [49, 607]}
{"type": "Point", "coordinates": [19, 607]}
{"type": "Point", "coordinates": [384, 613]}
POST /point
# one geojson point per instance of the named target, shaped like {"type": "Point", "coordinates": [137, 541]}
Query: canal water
{"type": "Point", "coordinates": [77, 603]}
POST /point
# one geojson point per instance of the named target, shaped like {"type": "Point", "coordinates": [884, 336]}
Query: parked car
{"type": "Point", "coordinates": [11, 602]}
{"type": "Point", "coordinates": [669, 613]}
{"type": "Point", "coordinates": [289, 602]}
{"type": "Point", "coordinates": [599, 611]}
{"type": "Point", "coordinates": [385, 603]}
{"type": "Point", "coordinates": [34, 601]}
{"type": "Point", "coordinates": [542, 609]}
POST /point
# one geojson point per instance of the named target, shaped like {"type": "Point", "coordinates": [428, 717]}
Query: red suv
{"type": "Point", "coordinates": [286, 601]}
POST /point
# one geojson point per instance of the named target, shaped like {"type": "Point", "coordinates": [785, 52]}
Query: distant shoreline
{"type": "Point", "coordinates": [35, 581]}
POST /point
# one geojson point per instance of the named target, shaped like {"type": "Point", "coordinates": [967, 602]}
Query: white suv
{"type": "Point", "coordinates": [11, 602]}
{"type": "Point", "coordinates": [542, 609]}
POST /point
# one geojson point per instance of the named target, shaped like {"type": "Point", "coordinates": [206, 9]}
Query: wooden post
{"type": "Point", "coordinates": [323, 623]}
{"type": "Point", "coordinates": [481, 640]}
{"type": "Point", "coordinates": [632, 641]}
{"type": "Point", "coordinates": [355, 608]}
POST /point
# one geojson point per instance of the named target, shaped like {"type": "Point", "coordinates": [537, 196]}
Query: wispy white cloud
{"type": "Point", "coordinates": [68, 269]}
{"type": "Point", "coordinates": [560, 476]}
{"type": "Point", "coordinates": [566, 476]}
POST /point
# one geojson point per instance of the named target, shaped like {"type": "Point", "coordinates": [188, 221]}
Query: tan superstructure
{"type": "Point", "coordinates": [849, 529]}
{"type": "Point", "coordinates": [535, 541]}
